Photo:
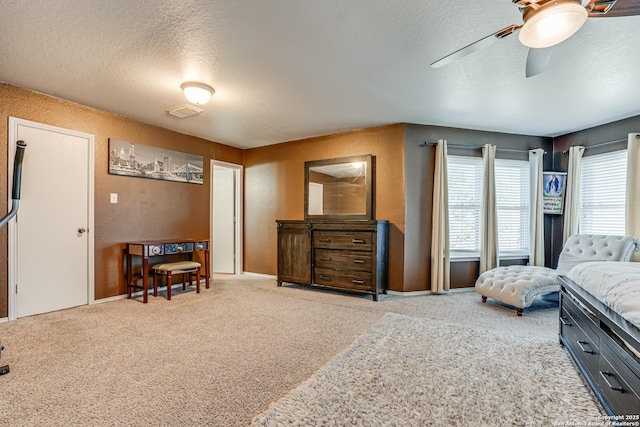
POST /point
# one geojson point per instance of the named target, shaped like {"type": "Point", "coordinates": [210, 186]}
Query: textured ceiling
{"type": "Point", "coordinates": [291, 69]}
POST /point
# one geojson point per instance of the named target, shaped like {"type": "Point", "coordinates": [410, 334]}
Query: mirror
{"type": "Point", "coordinates": [339, 188]}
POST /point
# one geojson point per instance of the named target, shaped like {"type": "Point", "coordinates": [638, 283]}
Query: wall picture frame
{"type": "Point", "coordinates": [145, 161]}
{"type": "Point", "coordinates": [554, 184]}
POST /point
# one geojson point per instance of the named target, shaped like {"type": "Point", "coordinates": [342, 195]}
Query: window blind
{"type": "Point", "coordinates": [465, 204]}
{"type": "Point", "coordinates": [512, 199]}
{"type": "Point", "coordinates": [603, 193]}
{"type": "Point", "coordinates": [465, 201]}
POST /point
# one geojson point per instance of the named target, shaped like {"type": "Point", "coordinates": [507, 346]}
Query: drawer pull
{"type": "Point", "coordinates": [358, 282]}
{"type": "Point", "coordinates": [325, 259]}
{"type": "Point", "coordinates": [605, 376]}
{"type": "Point", "coordinates": [325, 277]}
{"type": "Point", "coordinates": [565, 322]}
{"type": "Point", "coordinates": [358, 261]}
{"type": "Point", "coordinates": [581, 344]}
{"type": "Point", "coordinates": [357, 241]}
{"type": "Point", "coordinates": [324, 240]}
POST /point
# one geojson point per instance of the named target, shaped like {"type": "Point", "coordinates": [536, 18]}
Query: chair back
{"type": "Point", "coordinates": [581, 248]}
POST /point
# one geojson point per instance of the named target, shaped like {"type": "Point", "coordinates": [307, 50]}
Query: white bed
{"type": "Point", "coordinates": [616, 284]}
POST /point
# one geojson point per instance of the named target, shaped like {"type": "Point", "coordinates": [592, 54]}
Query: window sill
{"type": "Point", "coordinates": [473, 257]}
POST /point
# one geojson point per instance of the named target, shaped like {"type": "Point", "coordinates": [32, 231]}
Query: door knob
{"type": "Point", "coordinates": [82, 230]}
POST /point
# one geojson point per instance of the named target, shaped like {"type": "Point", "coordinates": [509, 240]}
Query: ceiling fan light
{"type": "Point", "coordinates": [197, 93]}
{"type": "Point", "coordinates": [552, 23]}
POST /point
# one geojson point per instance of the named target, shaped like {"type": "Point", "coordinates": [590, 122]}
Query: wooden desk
{"type": "Point", "coordinates": [161, 248]}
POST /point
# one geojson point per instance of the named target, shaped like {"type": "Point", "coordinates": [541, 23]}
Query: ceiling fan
{"type": "Point", "coordinates": [547, 23]}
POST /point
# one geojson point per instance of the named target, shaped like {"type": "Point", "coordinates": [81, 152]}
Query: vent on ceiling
{"type": "Point", "coordinates": [185, 110]}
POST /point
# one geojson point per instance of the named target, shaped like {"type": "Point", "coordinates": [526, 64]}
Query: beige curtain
{"type": "Point", "coordinates": [632, 220]}
{"type": "Point", "coordinates": [572, 193]}
{"type": "Point", "coordinates": [536, 234]}
{"type": "Point", "coordinates": [489, 218]}
{"type": "Point", "coordinates": [440, 266]}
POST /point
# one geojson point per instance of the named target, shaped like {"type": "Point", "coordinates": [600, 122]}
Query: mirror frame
{"type": "Point", "coordinates": [368, 160]}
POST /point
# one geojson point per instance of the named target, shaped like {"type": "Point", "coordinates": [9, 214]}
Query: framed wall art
{"type": "Point", "coordinates": [553, 192]}
{"type": "Point", "coordinates": [144, 161]}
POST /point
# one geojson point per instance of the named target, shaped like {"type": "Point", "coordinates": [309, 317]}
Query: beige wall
{"type": "Point", "coordinates": [274, 189]}
{"type": "Point", "coordinates": [146, 209]}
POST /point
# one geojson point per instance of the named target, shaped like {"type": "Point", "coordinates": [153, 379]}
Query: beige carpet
{"type": "Point", "coordinates": [407, 371]}
{"type": "Point", "coordinates": [217, 358]}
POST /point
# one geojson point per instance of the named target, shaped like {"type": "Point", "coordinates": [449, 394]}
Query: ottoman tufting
{"type": "Point", "coordinates": [519, 285]}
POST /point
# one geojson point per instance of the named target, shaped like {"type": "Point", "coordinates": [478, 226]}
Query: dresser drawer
{"type": "Point", "coordinates": [621, 394]}
{"type": "Point", "coordinates": [588, 322]}
{"type": "Point", "coordinates": [349, 240]}
{"type": "Point", "coordinates": [580, 344]}
{"type": "Point", "coordinates": [341, 260]}
{"type": "Point", "coordinates": [344, 279]}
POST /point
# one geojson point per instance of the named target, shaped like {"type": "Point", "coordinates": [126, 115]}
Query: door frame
{"type": "Point", "coordinates": [237, 172]}
{"type": "Point", "coordinates": [14, 123]}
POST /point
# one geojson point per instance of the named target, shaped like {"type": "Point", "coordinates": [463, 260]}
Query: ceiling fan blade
{"type": "Point", "coordinates": [613, 8]}
{"type": "Point", "coordinates": [473, 47]}
{"type": "Point", "coordinates": [537, 60]}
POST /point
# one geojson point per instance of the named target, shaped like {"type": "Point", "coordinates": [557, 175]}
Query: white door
{"type": "Point", "coordinates": [53, 247]}
{"type": "Point", "coordinates": [316, 194]}
{"type": "Point", "coordinates": [223, 245]}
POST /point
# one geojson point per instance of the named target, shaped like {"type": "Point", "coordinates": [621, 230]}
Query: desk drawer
{"type": "Point", "coordinates": [341, 260]}
{"type": "Point", "coordinates": [350, 240]}
{"type": "Point", "coordinates": [178, 248]}
{"type": "Point", "coordinates": [359, 280]}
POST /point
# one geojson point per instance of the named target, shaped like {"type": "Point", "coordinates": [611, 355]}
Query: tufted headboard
{"type": "Point", "coordinates": [581, 248]}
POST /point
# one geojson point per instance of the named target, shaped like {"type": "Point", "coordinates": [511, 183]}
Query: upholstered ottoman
{"type": "Point", "coordinates": [169, 269]}
{"type": "Point", "coordinates": [517, 285]}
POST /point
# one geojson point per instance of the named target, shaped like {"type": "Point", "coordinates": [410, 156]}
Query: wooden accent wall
{"type": "Point", "coordinates": [274, 189]}
{"type": "Point", "coordinates": [146, 209]}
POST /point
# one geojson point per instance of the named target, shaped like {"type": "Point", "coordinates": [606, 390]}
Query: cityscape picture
{"type": "Point", "coordinates": [144, 161]}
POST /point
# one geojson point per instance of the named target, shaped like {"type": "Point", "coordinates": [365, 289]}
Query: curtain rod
{"type": "Point", "coordinates": [477, 147]}
{"type": "Point", "coordinates": [600, 144]}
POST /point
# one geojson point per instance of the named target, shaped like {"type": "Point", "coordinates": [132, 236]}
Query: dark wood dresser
{"type": "Point", "coordinates": [345, 255]}
{"type": "Point", "coordinates": [599, 341]}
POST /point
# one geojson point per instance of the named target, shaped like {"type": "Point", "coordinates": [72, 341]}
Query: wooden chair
{"type": "Point", "coordinates": [187, 268]}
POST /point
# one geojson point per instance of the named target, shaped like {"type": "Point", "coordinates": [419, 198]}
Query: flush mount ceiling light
{"type": "Point", "coordinates": [197, 93]}
{"type": "Point", "coordinates": [552, 23]}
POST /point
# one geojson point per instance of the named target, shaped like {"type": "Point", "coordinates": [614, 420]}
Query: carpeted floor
{"type": "Point", "coordinates": [221, 357]}
{"type": "Point", "coordinates": [407, 371]}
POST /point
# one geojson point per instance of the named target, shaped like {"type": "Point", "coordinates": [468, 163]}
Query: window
{"type": "Point", "coordinates": [465, 204]}
{"type": "Point", "coordinates": [603, 193]}
{"type": "Point", "coordinates": [512, 198]}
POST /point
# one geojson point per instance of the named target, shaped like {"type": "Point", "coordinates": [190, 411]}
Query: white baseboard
{"type": "Point", "coordinates": [419, 293]}
{"type": "Point", "coordinates": [409, 294]}
{"type": "Point", "coordinates": [463, 289]}
{"type": "Point", "coordinates": [4, 319]}
{"type": "Point", "coordinates": [109, 299]}
{"type": "Point", "coordinates": [266, 276]}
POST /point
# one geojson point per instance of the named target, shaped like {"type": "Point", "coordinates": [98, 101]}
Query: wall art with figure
{"type": "Point", "coordinates": [553, 192]}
